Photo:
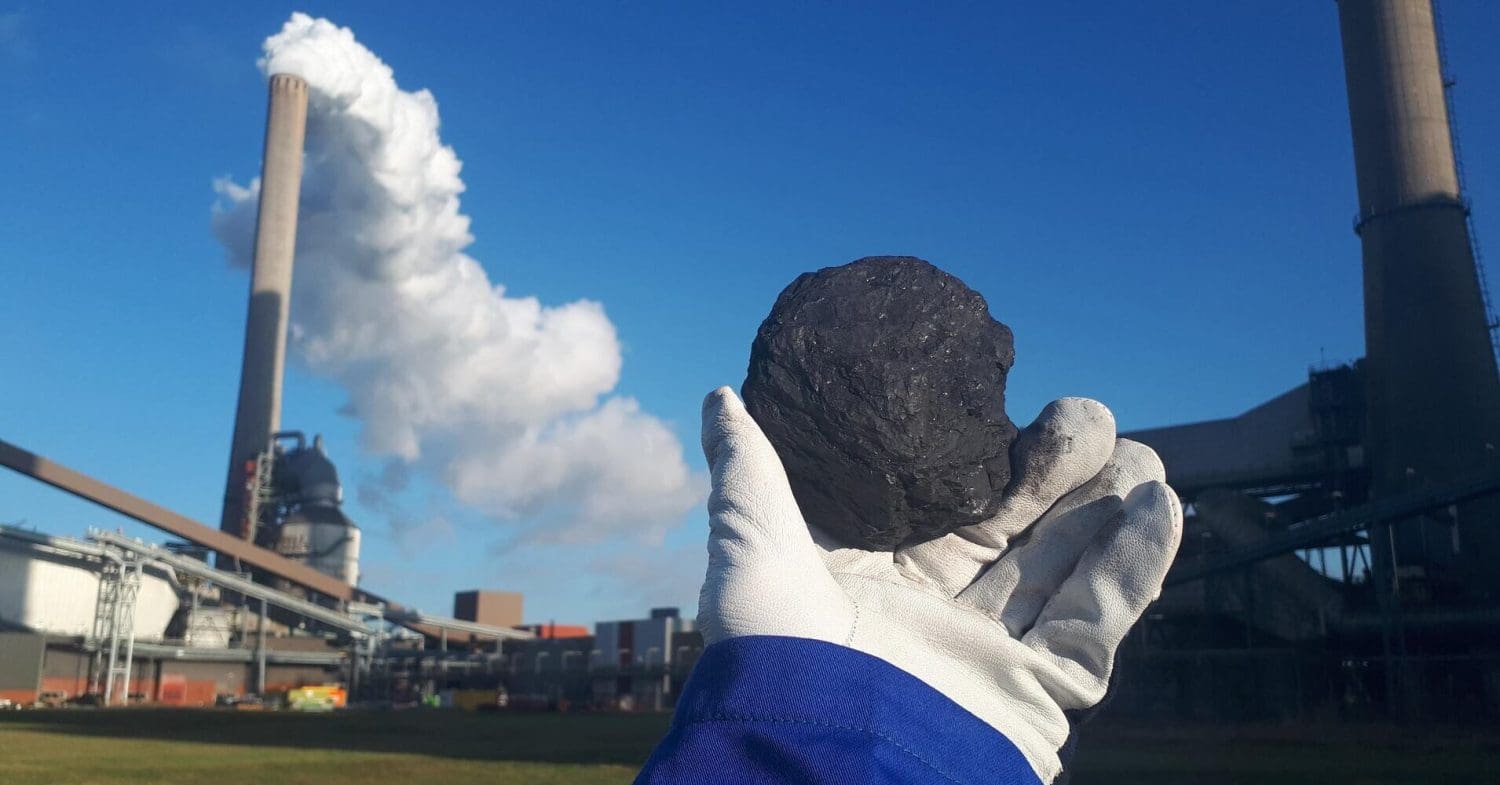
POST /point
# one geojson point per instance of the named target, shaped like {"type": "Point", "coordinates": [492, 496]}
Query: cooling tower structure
{"type": "Point", "coordinates": [258, 413]}
{"type": "Point", "coordinates": [1433, 393]}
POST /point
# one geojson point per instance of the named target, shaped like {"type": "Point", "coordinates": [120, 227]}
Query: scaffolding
{"type": "Point", "coordinates": [114, 625]}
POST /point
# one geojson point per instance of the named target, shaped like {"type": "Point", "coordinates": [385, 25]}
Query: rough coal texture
{"type": "Point", "coordinates": [881, 385]}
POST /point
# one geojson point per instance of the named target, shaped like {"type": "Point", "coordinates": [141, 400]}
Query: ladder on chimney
{"type": "Point", "coordinates": [1449, 82]}
{"type": "Point", "coordinates": [259, 491]}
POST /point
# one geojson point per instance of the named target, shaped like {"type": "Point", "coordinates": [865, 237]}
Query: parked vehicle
{"type": "Point", "coordinates": [239, 701]}
{"type": "Point", "coordinates": [51, 700]}
{"type": "Point", "coordinates": [323, 697]}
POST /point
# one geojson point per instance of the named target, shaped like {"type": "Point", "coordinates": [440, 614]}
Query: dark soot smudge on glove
{"type": "Point", "coordinates": [881, 384]}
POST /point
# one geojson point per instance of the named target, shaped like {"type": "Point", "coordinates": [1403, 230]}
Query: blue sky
{"type": "Point", "coordinates": [1156, 197]}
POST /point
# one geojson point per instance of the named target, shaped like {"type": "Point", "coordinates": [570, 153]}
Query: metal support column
{"type": "Point", "coordinates": [104, 609]}
{"type": "Point", "coordinates": [260, 651]}
{"type": "Point", "coordinates": [192, 619]}
{"type": "Point", "coordinates": [121, 596]}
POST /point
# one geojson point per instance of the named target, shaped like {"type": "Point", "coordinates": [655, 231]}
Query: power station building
{"type": "Point", "coordinates": [1341, 539]}
{"type": "Point", "coordinates": [83, 617]}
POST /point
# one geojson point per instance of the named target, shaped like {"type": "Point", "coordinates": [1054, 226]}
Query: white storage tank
{"type": "Point", "coordinates": [326, 543]}
{"type": "Point", "coordinates": [49, 590]}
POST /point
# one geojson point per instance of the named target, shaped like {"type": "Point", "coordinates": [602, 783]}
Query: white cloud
{"type": "Point", "coordinates": [652, 580]}
{"type": "Point", "coordinates": [504, 399]}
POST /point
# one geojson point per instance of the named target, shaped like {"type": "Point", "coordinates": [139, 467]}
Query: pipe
{"type": "Point", "coordinates": [224, 580]}
{"type": "Point", "coordinates": [260, 651]}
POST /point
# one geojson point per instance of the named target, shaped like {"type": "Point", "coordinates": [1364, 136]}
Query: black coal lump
{"type": "Point", "coordinates": [881, 384]}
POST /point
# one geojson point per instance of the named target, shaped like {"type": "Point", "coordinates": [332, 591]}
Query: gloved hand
{"type": "Point", "coordinates": [1014, 632]}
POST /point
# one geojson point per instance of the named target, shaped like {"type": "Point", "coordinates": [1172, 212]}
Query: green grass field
{"type": "Point", "coordinates": [163, 747]}
{"type": "Point", "coordinates": [169, 747]}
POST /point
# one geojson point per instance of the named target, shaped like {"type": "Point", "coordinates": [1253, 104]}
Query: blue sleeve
{"type": "Point", "coordinates": [766, 709]}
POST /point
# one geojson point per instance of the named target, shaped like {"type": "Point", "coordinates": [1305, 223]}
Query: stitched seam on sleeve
{"type": "Point", "coordinates": [725, 717]}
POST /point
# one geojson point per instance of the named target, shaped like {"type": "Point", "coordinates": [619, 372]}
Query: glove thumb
{"type": "Point", "coordinates": [765, 575]}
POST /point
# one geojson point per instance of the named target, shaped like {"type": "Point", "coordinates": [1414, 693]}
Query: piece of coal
{"type": "Point", "coordinates": [881, 384]}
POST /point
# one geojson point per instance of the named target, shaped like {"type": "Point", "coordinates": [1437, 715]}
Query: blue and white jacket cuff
{"type": "Point", "coordinates": [765, 709]}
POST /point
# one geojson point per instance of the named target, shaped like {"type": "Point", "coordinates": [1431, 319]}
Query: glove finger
{"type": "Point", "coordinates": [1018, 586]}
{"type": "Point", "coordinates": [1066, 445]}
{"type": "Point", "coordinates": [1119, 575]}
{"type": "Point", "coordinates": [765, 576]}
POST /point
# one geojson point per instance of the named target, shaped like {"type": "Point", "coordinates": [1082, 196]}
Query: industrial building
{"type": "Point", "coordinates": [1341, 538]}
{"type": "Point", "coordinates": [114, 620]}
{"type": "Point", "coordinates": [629, 665]}
{"type": "Point", "coordinates": [118, 618]}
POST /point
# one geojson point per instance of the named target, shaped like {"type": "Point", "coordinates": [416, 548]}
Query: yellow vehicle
{"type": "Point", "coordinates": [478, 700]}
{"type": "Point", "coordinates": [323, 697]}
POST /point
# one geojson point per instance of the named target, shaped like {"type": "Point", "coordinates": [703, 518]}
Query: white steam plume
{"type": "Point", "coordinates": [502, 398]}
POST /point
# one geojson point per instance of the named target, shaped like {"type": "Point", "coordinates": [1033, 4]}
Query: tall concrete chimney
{"type": "Point", "coordinates": [258, 414]}
{"type": "Point", "coordinates": [1433, 391]}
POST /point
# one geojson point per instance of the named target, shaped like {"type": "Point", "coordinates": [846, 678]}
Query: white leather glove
{"type": "Point", "coordinates": [1016, 635]}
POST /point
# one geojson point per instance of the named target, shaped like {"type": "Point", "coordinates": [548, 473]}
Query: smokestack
{"type": "Point", "coordinates": [1433, 391]}
{"type": "Point", "coordinates": [258, 413]}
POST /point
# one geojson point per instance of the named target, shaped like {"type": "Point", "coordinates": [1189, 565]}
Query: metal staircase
{"type": "Point", "coordinates": [259, 492]}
